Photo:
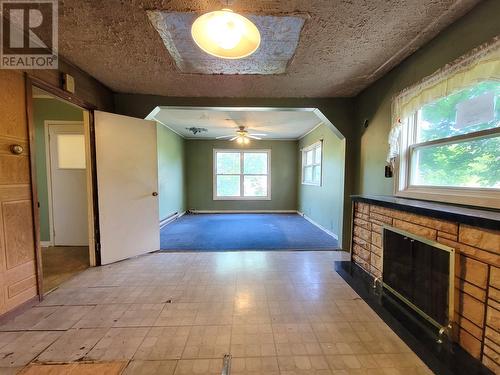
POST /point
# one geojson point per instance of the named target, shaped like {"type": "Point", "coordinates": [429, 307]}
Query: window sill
{"type": "Point", "coordinates": [241, 198]}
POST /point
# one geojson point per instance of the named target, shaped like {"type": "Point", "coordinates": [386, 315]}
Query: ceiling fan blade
{"type": "Point", "coordinates": [234, 138]}
{"type": "Point", "coordinates": [224, 136]}
{"type": "Point", "coordinates": [253, 137]}
{"type": "Point", "coordinates": [258, 134]}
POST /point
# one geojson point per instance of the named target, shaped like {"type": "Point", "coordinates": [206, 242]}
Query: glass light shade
{"type": "Point", "coordinates": [225, 34]}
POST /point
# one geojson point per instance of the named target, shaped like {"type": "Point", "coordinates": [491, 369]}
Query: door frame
{"type": "Point", "coordinates": [93, 207]}
{"type": "Point", "coordinates": [46, 125]}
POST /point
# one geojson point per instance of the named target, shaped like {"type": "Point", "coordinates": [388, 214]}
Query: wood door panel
{"type": "Point", "coordinates": [21, 286]}
{"type": "Point", "coordinates": [3, 301]}
{"type": "Point", "coordinates": [15, 193]}
{"type": "Point", "coordinates": [19, 273]}
{"type": "Point", "coordinates": [17, 244]}
{"type": "Point", "coordinates": [19, 299]}
{"type": "Point", "coordinates": [14, 169]}
{"type": "Point", "coordinates": [5, 144]}
{"type": "Point", "coordinates": [13, 107]}
{"type": "Point", "coordinates": [19, 241]}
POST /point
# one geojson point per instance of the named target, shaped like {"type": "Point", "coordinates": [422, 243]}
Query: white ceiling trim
{"type": "Point", "coordinates": [310, 131]}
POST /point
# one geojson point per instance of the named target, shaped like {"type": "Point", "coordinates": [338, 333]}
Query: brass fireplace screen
{"type": "Point", "coordinates": [421, 273]}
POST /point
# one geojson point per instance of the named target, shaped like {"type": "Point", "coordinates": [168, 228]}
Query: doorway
{"type": "Point", "coordinates": [63, 180]}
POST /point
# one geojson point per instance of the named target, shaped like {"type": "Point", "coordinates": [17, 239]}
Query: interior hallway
{"type": "Point", "coordinates": [60, 263]}
{"type": "Point", "coordinates": [175, 313]}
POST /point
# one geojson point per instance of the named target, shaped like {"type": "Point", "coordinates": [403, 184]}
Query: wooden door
{"type": "Point", "coordinates": [127, 185]}
{"type": "Point", "coordinates": [17, 244]}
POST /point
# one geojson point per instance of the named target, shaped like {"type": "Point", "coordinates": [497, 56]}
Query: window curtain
{"type": "Point", "coordinates": [482, 63]}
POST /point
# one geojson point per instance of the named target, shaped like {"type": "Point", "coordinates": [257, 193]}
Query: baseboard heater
{"type": "Point", "coordinates": [421, 273]}
{"type": "Point", "coordinates": [169, 219]}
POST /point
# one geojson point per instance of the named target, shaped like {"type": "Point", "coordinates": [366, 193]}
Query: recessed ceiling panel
{"type": "Point", "coordinates": [279, 39]}
{"type": "Point", "coordinates": [274, 123]}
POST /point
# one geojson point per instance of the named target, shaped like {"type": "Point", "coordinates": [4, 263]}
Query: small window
{"type": "Point", "coordinates": [71, 151]}
{"type": "Point", "coordinates": [242, 174]}
{"type": "Point", "coordinates": [311, 164]}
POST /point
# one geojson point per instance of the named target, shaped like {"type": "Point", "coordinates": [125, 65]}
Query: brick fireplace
{"type": "Point", "coordinates": [477, 264]}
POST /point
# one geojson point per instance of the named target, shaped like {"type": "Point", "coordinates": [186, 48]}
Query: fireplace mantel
{"type": "Point", "coordinates": [476, 216]}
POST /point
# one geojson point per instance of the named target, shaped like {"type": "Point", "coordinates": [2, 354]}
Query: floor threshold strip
{"type": "Point", "coordinates": [226, 365]}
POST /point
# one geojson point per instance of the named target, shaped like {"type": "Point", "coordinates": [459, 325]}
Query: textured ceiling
{"type": "Point", "coordinates": [274, 123]}
{"type": "Point", "coordinates": [344, 45]}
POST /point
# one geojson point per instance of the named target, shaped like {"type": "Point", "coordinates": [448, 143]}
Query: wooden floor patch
{"type": "Point", "coordinates": [109, 368]}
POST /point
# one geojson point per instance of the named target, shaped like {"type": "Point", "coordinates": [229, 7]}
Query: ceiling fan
{"type": "Point", "coordinates": [242, 136]}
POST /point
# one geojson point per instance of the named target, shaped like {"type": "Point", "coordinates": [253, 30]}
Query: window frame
{"type": "Point", "coordinates": [314, 164]}
{"type": "Point", "coordinates": [484, 197]}
{"type": "Point", "coordinates": [242, 175]}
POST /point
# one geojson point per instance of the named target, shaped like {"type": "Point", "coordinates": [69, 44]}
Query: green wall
{"type": "Point", "coordinates": [323, 204]}
{"type": "Point", "coordinates": [199, 170]}
{"type": "Point", "coordinates": [47, 109]}
{"type": "Point", "coordinates": [171, 167]}
{"type": "Point", "coordinates": [374, 103]}
{"type": "Point", "coordinates": [339, 111]}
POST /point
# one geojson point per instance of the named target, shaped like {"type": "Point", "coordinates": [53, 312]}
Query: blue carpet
{"type": "Point", "coordinates": [216, 232]}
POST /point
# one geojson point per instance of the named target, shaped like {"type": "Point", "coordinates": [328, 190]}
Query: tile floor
{"type": "Point", "coordinates": [179, 313]}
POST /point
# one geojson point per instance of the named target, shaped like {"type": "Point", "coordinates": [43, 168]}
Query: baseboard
{"type": "Point", "coordinates": [171, 218]}
{"type": "Point", "coordinates": [330, 233]}
{"type": "Point", "coordinates": [46, 243]}
{"type": "Point", "coordinates": [243, 211]}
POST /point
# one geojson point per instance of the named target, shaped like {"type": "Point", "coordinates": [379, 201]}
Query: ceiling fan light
{"type": "Point", "coordinates": [239, 140]}
{"type": "Point", "coordinates": [246, 140]}
{"type": "Point", "coordinates": [225, 34]}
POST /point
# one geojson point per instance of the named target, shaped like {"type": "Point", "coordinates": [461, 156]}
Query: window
{"type": "Point", "coordinates": [451, 146]}
{"type": "Point", "coordinates": [70, 151]}
{"type": "Point", "coordinates": [242, 174]}
{"type": "Point", "coordinates": [311, 164]}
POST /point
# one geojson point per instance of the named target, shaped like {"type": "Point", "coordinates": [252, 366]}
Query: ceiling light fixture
{"type": "Point", "coordinates": [225, 34]}
{"type": "Point", "coordinates": [242, 136]}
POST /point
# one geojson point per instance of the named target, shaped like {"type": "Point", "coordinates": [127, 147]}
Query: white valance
{"type": "Point", "coordinates": [482, 63]}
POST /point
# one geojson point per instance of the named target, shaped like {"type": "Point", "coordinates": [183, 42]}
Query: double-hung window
{"type": "Point", "coordinates": [450, 147]}
{"type": "Point", "coordinates": [444, 142]}
{"type": "Point", "coordinates": [242, 174]}
{"type": "Point", "coordinates": [311, 164]}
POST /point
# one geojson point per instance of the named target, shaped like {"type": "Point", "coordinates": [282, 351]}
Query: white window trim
{"type": "Point", "coordinates": [483, 197]}
{"type": "Point", "coordinates": [303, 152]}
{"type": "Point", "coordinates": [241, 152]}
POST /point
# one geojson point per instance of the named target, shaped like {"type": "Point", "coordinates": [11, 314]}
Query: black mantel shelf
{"type": "Point", "coordinates": [474, 216]}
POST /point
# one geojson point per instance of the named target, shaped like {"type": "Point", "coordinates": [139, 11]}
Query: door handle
{"type": "Point", "coordinates": [155, 194]}
{"type": "Point", "coordinates": [16, 149]}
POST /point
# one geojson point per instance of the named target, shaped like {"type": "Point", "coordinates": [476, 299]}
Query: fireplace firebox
{"type": "Point", "coordinates": [420, 272]}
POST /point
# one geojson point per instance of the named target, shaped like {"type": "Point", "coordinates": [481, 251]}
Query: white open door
{"type": "Point", "coordinates": [127, 181]}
